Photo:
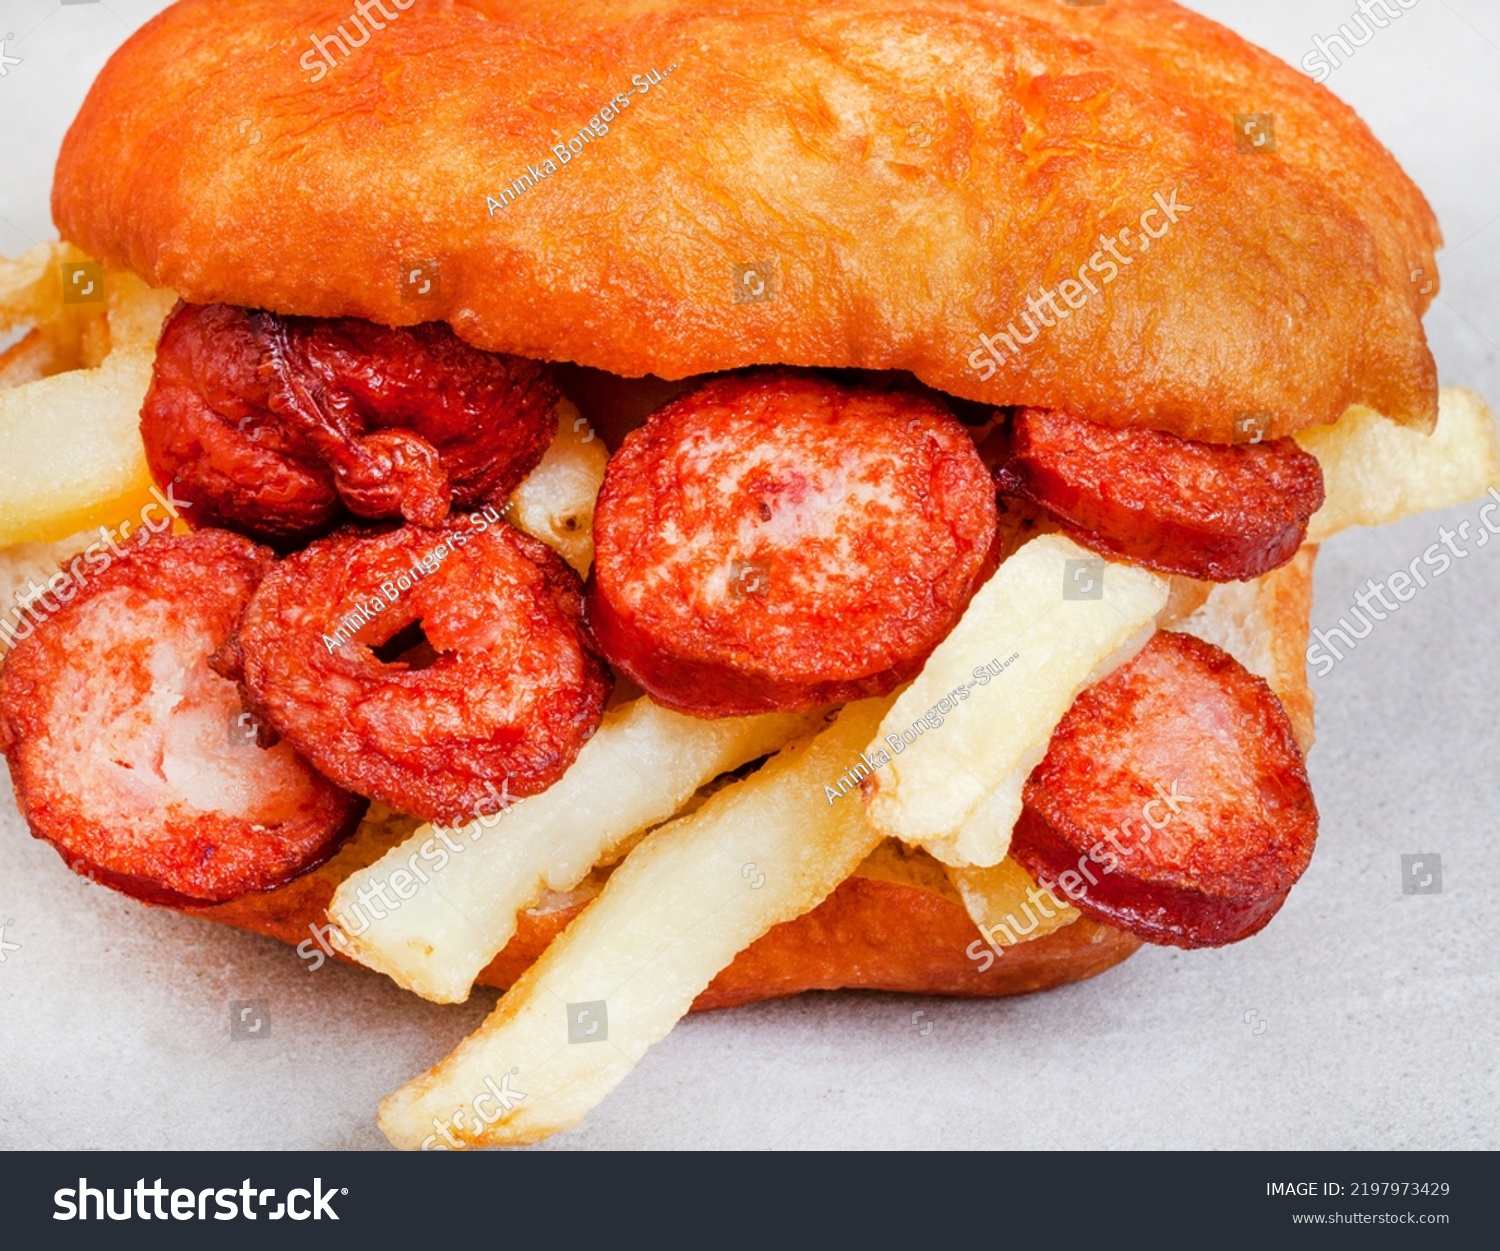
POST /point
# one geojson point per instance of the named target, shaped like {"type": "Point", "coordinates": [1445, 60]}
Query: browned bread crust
{"type": "Point", "coordinates": [871, 934]}
{"type": "Point", "coordinates": [912, 173]}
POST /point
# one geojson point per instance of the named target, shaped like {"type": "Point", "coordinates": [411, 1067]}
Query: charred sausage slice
{"type": "Point", "coordinates": [775, 541]}
{"type": "Point", "coordinates": [1203, 510]}
{"type": "Point", "coordinates": [436, 670]}
{"type": "Point", "coordinates": [1173, 801]}
{"type": "Point", "coordinates": [279, 427]}
{"type": "Point", "coordinates": [135, 760]}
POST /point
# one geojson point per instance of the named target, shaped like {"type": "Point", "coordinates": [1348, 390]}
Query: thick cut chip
{"type": "Point", "coordinates": [962, 738]}
{"type": "Point", "coordinates": [1376, 472]}
{"type": "Point", "coordinates": [70, 451]}
{"type": "Point", "coordinates": [639, 769]}
{"type": "Point", "coordinates": [32, 291]}
{"type": "Point", "coordinates": [135, 312]}
{"type": "Point", "coordinates": [556, 501]}
{"type": "Point", "coordinates": [30, 359]}
{"type": "Point", "coordinates": [681, 906]}
{"type": "Point", "coordinates": [1263, 624]}
{"type": "Point", "coordinates": [1000, 896]}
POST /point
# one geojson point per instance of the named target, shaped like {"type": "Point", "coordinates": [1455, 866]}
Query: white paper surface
{"type": "Point", "coordinates": [1361, 1018]}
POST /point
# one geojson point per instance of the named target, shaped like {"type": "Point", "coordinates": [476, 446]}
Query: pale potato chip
{"type": "Point", "coordinates": [961, 740]}
{"type": "Point", "coordinates": [30, 359]}
{"type": "Point", "coordinates": [70, 451]}
{"type": "Point", "coordinates": [1008, 906]}
{"type": "Point", "coordinates": [556, 501]}
{"type": "Point", "coordinates": [135, 312]}
{"type": "Point", "coordinates": [1376, 472]}
{"type": "Point", "coordinates": [27, 291]}
{"type": "Point", "coordinates": [642, 765]}
{"type": "Point", "coordinates": [678, 910]}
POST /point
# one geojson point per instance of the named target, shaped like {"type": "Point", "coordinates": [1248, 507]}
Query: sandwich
{"type": "Point", "coordinates": [658, 508]}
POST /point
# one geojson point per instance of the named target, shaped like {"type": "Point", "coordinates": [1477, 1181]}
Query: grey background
{"type": "Point", "coordinates": [1361, 1018]}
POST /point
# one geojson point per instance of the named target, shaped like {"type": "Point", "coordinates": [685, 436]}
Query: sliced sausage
{"type": "Point", "coordinates": [1212, 511]}
{"type": "Point", "coordinates": [775, 541]}
{"type": "Point", "coordinates": [280, 427]}
{"type": "Point", "coordinates": [435, 670]}
{"type": "Point", "coordinates": [1173, 801]}
{"type": "Point", "coordinates": [135, 760]}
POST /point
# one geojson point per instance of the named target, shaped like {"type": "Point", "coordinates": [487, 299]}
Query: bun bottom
{"type": "Point", "coordinates": [897, 924]}
{"type": "Point", "coordinates": [873, 933]}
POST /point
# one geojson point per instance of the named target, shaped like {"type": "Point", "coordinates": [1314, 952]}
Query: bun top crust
{"type": "Point", "coordinates": [902, 175]}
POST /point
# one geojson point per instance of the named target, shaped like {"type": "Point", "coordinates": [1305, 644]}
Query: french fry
{"type": "Point", "coordinates": [32, 294]}
{"type": "Point", "coordinates": [1263, 624]}
{"type": "Point", "coordinates": [638, 770]}
{"type": "Point", "coordinates": [679, 908]}
{"type": "Point", "coordinates": [1004, 678]}
{"type": "Point", "coordinates": [556, 501]}
{"type": "Point", "coordinates": [1000, 896]}
{"type": "Point", "coordinates": [27, 294]}
{"type": "Point", "coordinates": [70, 451]}
{"type": "Point", "coordinates": [135, 312]}
{"type": "Point", "coordinates": [29, 359]}
{"type": "Point", "coordinates": [1375, 471]}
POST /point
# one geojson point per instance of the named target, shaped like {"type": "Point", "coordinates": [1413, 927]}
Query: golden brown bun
{"type": "Point", "coordinates": [914, 171]}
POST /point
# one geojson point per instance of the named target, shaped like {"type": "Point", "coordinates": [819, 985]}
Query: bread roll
{"type": "Point", "coordinates": [903, 179]}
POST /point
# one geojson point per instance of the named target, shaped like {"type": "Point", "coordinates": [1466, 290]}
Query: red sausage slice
{"type": "Point", "coordinates": [1185, 740]}
{"type": "Point", "coordinates": [775, 541]}
{"type": "Point", "coordinates": [280, 427]}
{"type": "Point", "coordinates": [1203, 510]}
{"type": "Point", "coordinates": [135, 760]}
{"type": "Point", "coordinates": [497, 701]}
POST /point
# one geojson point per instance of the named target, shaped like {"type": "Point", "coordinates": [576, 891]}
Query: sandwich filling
{"type": "Point", "coordinates": [766, 542]}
